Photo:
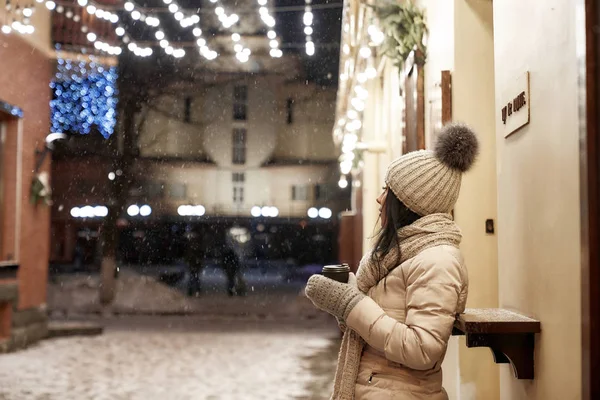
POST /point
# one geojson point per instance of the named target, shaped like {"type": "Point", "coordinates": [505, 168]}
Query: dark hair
{"type": "Point", "coordinates": [397, 215]}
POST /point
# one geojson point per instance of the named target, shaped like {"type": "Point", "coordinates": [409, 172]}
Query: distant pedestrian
{"type": "Point", "coordinates": [397, 313]}
{"type": "Point", "coordinates": [194, 255]}
{"type": "Point", "coordinates": [231, 265]}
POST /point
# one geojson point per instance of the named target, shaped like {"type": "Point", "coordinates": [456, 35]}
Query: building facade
{"type": "Point", "coordinates": [25, 72]}
{"type": "Point", "coordinates": [255, 146]}
{"type": "Point", "coordinates": [525, 185]}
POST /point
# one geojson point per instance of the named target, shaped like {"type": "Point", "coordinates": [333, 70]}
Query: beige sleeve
{"type": "Point", "coordinates": [433, 287]}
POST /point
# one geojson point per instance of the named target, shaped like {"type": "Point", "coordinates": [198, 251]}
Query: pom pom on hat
{"type": "Point", "coordinates": [428, 182]}
{"type": "Point", "coordinates": [457, 147]}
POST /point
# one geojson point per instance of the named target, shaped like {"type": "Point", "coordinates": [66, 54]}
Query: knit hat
{"type": "Point", "coordinates": [428, 182]}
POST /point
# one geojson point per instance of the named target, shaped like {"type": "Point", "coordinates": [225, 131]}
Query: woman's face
{"type": "Point", "coordinates": [381, 202]}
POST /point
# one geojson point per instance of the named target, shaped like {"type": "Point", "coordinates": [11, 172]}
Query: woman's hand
{"type": "Point", "coordinates": [336, 298]}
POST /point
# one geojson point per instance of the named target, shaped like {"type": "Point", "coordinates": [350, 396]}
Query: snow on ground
{"type": "Point", "coordinates": [196, 359]}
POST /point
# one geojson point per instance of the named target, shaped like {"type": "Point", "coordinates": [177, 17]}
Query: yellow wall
{"type": "Point", "coordinates": [538, 192]}
{"type": "Point", "coordinates": [473, 103]}
{"type": "Point", "coordinates": [41, 21]}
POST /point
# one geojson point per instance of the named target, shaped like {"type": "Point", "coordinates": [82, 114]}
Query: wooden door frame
{"type": "Point", "coordinates": [590, 203]}
{"type": "Point", "coordinates": [412, 67]}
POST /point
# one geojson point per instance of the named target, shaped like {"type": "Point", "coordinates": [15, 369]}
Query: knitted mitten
{"type": "Point", "coordinates": [336, 298]}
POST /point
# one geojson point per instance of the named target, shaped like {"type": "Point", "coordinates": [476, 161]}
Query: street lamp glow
{"type": "Point", "coordinates": [87, 212]}
{"type": "Point", "coordinates": [325, 213]}
{"type": "Point", "coordinates": [184, 210]}
{"type": "Point", "coordinates": [313, 212]}
{"type": "Point", "coordinates": [100, 211]}
{"type": "Point", "coordinates": [145, 210]}
{"type": "Point", "coordinates": [199, 210]}
{"type": "Point", "coordinates": [133, 210]}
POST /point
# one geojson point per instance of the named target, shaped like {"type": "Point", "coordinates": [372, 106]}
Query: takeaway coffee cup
{"type": "Point", "coordinates": [339, 272]}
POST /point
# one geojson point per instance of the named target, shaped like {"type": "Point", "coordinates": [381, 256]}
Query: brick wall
{"type": "Point", "coordinates": [25, 74]}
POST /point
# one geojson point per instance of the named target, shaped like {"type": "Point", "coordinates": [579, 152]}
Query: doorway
{"type": "Point", "coordinates": [590, 197]}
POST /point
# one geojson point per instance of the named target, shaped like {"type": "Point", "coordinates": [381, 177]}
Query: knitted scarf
{"type": "Point", "coordinates": [432, 230]}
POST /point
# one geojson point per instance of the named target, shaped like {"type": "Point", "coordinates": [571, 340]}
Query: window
{"type": "Point", "coordinates": [177, 191]}
{"type": "Point", "coordinates": [321, 192]}
{"type": "Point", "coordinates": [238, 177]}
{"type": "Point", "coordinates": [239, 146]}
{"type": "Point", "coordinates": [238, 194]}
{"type": "Point", "coordinates": [155, 190]}
{"type": "Point", "coordinates": [240, 102]}
{"type": "Point", "coordinates": [300, 192]}
{"type": "Point", "coordinates": [240, 94]}
{"type": "Point", "coordinates": [290, 111]}
{"type": "Point", "coordinates": [187, 110]}
{"type": "Point", "coordinates": [239, 112]}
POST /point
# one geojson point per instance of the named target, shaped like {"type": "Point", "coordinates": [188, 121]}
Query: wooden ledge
{"type": "Point", "coordinates": [510, 336]}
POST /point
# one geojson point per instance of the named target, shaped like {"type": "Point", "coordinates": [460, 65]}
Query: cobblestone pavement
{"type": "Point", "coordinates": [178, 358]}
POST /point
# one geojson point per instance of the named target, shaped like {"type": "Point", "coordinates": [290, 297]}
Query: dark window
{"type": "Point", "coordinates": [239, 111]}
{"type": "Point", "coordinates": [155, 190]}
{"type": "Point", "coordinates": [240, 94]}
{"type": "Point", "coordinates": [239, 146]}
{"type": "Point", "coordinates": [187, 111]}
{"type": "Point", "coordinates": [290, 111]}
{"type": "Point", "coordinates": [177, 191]}
{"type": "Point", "coordinates": [321, 192]}
{"type": "Point", "coordinates": [240, 103]}
{"type": "Point", "coordinates": [300, 192]}
{"type": "Point", "coordinates": [238, 177]}
{"type": "Point", "coordinates": [238, 194]}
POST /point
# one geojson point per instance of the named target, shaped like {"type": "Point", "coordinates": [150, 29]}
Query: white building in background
{"type": "Point", "coordinates": [251, 140]}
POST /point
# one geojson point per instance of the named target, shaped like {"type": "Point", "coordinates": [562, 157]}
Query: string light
{"type": "Point", "coordinates": [269, 21]}
{"type": "Point", "coordinates": [307, 19]}
{"type": "Point", "coordinates": [85, 97]}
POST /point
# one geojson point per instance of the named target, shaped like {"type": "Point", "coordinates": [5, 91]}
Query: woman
{"type": "Point", "coordinates": [398, 312]}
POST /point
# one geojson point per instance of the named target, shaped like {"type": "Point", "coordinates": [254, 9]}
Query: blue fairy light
{"type": "Point", "coordinates": [85, 98]}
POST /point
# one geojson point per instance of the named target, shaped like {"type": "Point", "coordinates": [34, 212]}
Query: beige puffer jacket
{"type": "Point", "coordinates": [407, 320]}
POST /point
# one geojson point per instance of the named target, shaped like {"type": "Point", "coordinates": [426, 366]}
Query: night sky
{"type": "Point", "coordinates": [321, 67]}
{"type": "Point", "coordinates": [327, 27]}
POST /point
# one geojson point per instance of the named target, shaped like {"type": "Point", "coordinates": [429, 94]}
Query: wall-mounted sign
{"type": "Point", "coordinates": [515, 106]}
